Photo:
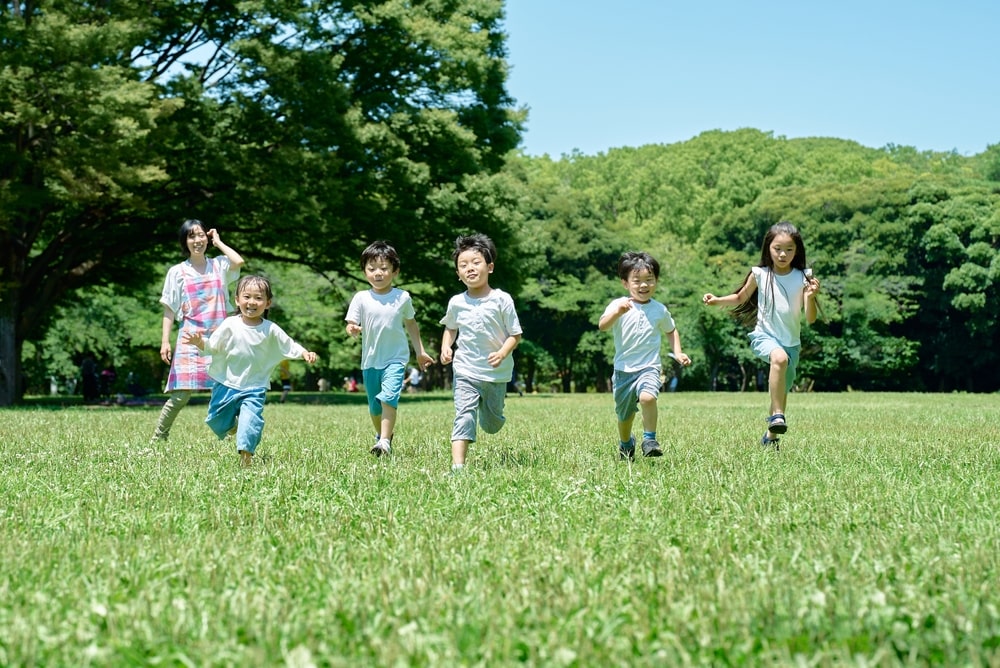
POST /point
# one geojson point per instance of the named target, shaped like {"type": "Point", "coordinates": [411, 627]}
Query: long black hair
{"type": "Point", "coordinates": [746, 313]}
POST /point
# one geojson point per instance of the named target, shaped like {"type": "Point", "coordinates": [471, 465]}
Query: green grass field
{"type": "Point", "coordinates": [871, 538]}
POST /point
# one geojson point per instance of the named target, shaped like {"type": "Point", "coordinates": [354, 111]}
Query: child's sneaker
{"type": "Point", "coordinates": [627, 451]}
{"type": "Point", "coordinates": [767, 442]}
{"type": "Point", "coordinates": [651, 448]}
{"type": "Point", "coordinates": [383, 447]}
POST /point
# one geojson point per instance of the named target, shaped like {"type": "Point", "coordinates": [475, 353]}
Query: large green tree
{"type": "Point", "coordinates": [302, 129]}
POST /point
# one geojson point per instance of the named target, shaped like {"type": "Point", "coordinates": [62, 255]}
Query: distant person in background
{"type": "Point", "coordinates": [772, 298]}
{"type": "Point", "coordinates": [483, 323]}
{"type": "Point", "coordinates": [89, 380]}
{"type": "Point", "coordinates": [638, 323]}
{"type": "Point", "coordinates": [195, 293]}
{"type": "Point", "coordinates": [413, 379]}
{"type": "Point", "coordinates": [514, 385]}
{"type": "Point", "coordinates": [285, 375]}
{"type": "Point", "coordinates": [108, 378]}
{"type": "Point", "coordinates": [133, 385]}
{"type": "Point", "coordinates": [245, 348]}
{"type": "Point", "coordinates": [384, 316]}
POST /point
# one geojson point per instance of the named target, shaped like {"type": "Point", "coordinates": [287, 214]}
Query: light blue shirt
{"type": "Point", "coordinates": [483, 325]}
{"type": "Point", "coordinates": [383, 336]}
{"type": "Point", "coordinates": [639, 333]}
{"type": "Point", "coordinates": [779, 304]}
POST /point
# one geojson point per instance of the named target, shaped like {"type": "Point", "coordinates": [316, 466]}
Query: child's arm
{"type": "Point", "coordinates": [809, 295]}
{"type": "Point", "coordinates": [168, 327]}
{"type": "Point", "coordinates": [413, 329]}
{"type": "Point", "coordinates": [309, 356]}
{"type": "Point", "coordinates": [195, 339]}
{"type": "Point", "coordinates": [675, 345]}
{"type": "Point", "coordinates": [447, 341]}
{"type": "Point", "coordinates": [235, 259]}
{"type": "Point", "coordinates": [735, 299]}
{"type": "Point", "coordinates": [615, 310]}
{"type": "Point", "coordinates": [498, 356]}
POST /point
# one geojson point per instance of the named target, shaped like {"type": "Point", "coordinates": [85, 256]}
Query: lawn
{"type": "Point", "coordinates": [869, 539]}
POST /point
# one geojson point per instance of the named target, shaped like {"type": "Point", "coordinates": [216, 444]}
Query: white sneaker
{"type": "Point", "coordinates": [382, 448]}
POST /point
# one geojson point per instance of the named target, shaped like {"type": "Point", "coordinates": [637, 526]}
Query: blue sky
{"type": "Point", "coordinates": [597, 75]}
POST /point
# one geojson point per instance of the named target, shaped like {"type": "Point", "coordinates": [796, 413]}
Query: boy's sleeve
{"type": "Point", "coordinates": [513, 322]}
{"type": "Point", "coordinates": [449, 320]}
{"type": "Point", "coordinates": [667, 324]}
{"type": "Point", "coordinates": [406, 308]}
{"type": "Point", "coordinates": [354, 309]}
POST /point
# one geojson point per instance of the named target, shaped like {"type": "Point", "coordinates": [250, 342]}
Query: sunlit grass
{"type": "Point", "coordinates": [870, 539]}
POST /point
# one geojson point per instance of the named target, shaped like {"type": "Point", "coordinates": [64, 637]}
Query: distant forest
{"type": "Point", "coordinates": [905, 243]}
{"type": "Point", "coordinates": [303, 132]}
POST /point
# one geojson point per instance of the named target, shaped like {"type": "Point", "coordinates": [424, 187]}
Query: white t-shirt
{"type": "Point", "coordinates": [383, 336]}
{"type": "Point", "coordinates": [243, 357]}
{"type": "Point", "coordinates": [483, 325]}
{"type": "Point", "coordinates": [638, 334]}
{"type": "Point", "coordinates": [779, 304]}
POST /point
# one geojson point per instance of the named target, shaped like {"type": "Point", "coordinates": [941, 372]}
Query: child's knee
{"type": "Point", "coordinates": [779, 358]}
{"type": "Point", "coordinates": [646, 398]}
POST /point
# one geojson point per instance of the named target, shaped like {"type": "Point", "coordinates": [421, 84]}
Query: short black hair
{"type": "Point", "coordinates": [380, 250]}
{"type": "Point", "coordinates": [477, 242]}
{"type": "Point", "coordinates": [636, 260]}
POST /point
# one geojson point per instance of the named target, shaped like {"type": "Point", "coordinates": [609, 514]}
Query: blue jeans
{"type": "Point", "coordinates": [227, 404]}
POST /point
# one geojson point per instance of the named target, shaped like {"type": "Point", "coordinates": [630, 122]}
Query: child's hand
{"type": "Point", "coordinates": [424, 360]}
{"type": "Point", "coordinates": [709, 299]}
{"type": "Point", "coordinates": [193, 338]}
{"type": "Point", "coordinates": [213, 237]}
{"type": "Point", "coordinates": [812, 287]}
{"type": "Point", "coordinates": [495, 358]}
{"type": "Point", "coordinates": [309, 357]}
{"type": "Point", "coordinates": [446, 355]}
{"type": "Point", "coordinates": [353, 329]}
{"type": "Point", "coordinates": [624, 304]}
{"type": "Point", "coordinates": [682, 359]}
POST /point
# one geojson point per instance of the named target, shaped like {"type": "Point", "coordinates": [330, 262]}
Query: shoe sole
{"type": "Point", "coordinates": [653, 452]}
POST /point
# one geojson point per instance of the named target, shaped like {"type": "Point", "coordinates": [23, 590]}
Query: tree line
{"type": "Point", "coordinates": [303, 133]}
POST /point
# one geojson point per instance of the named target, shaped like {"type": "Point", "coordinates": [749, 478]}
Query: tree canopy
{"type": "Point", "coordinates": [302, 129]}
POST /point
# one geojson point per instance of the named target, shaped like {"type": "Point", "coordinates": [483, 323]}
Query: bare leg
{"type": "Point", "coordinates": [776, 383]}
{"type": "Point", "coordinates": [459, 449]}
{"type": "Point", "coordinates": [625, 429]}
{"type": "Point", "coordinates": [388, 422]}
{"type": "Point", "coordinates": [647, 403]}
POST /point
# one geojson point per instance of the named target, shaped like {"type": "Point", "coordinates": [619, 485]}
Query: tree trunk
{"type": "Point", "coordinates": [10, 350]}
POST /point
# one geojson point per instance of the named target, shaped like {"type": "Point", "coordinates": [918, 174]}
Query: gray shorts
{"type": "Point", "coordinates": [629, 385]}
{"type": "Point", "coordinates": [477, 399]}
